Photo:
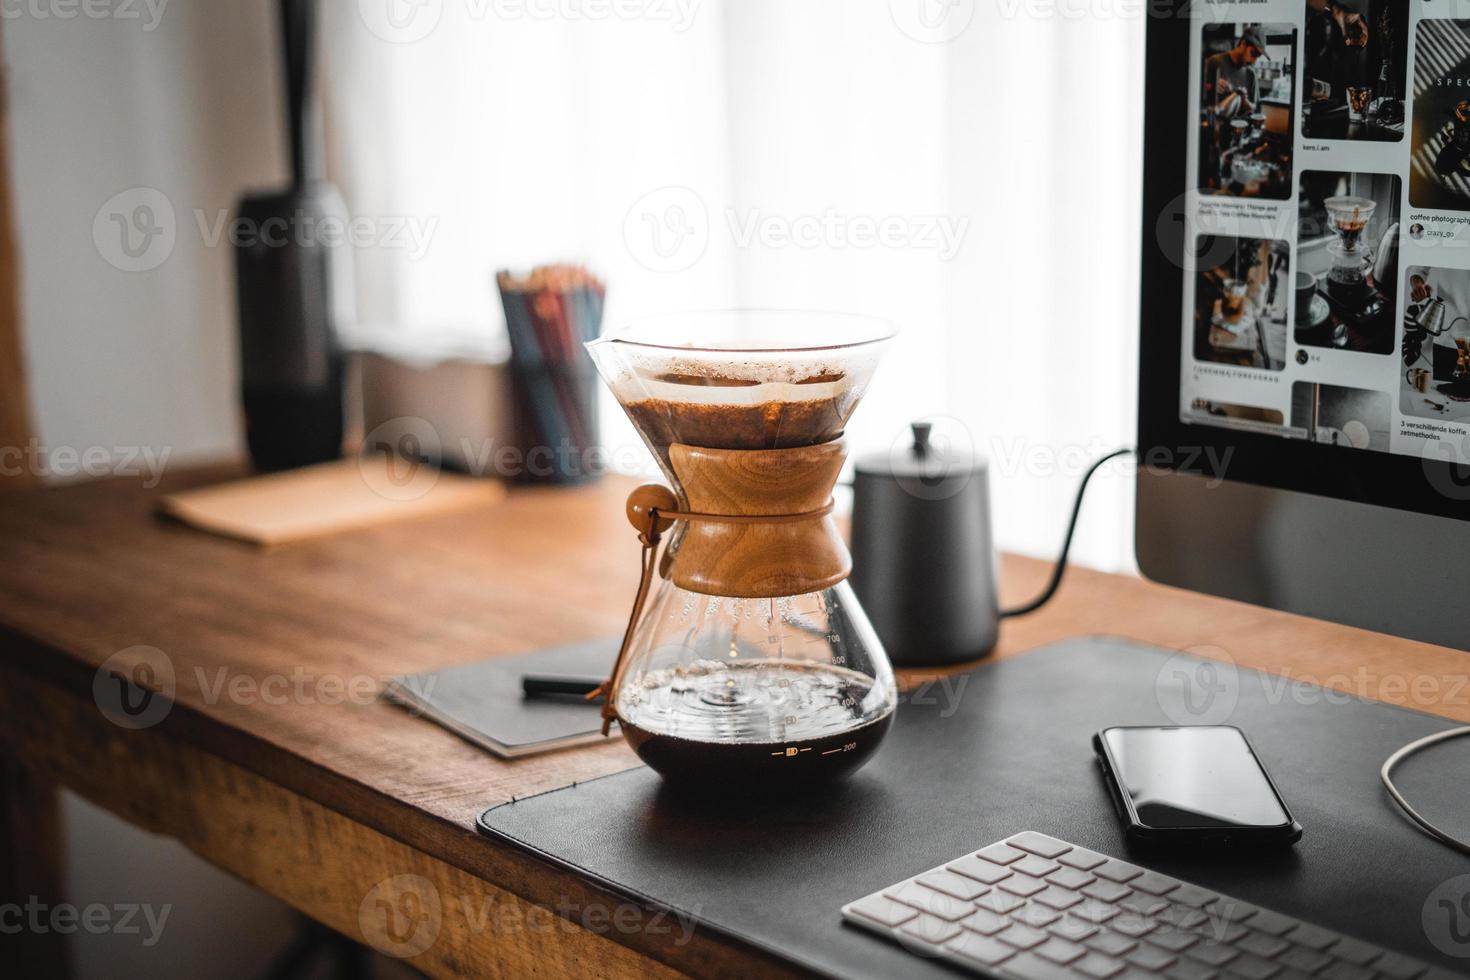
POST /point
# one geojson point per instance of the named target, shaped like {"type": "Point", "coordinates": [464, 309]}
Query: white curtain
{"type": "Point", "coordinates": [964, 168]}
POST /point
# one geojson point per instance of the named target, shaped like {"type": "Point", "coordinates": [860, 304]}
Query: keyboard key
{"type": "Point", "coordinates": [1273, 922]}
{"type": "Point", "coordinates": [1000, 853]}
{"type": "Point", "coordinates": [1057, 898]}
{"type": "Point", "coordinates": [1191, 895]}
{"type": "Point", "coordinates": [928, 900]}
{"type": "Point", "coordinates": [1310, 936]}
{"type": "Point", "coordinates": [1220, 930]}
{"type": "Point", "coordinates": [1023, 885]}
{"type": "Point", "coordinates": [1230, 910]}
{"type": "Point", "coordinates": [1119, 871]}
{"type": "Point", "coordinates": [1071, 878]}
{"type": "Point", "coordinates": [1143, 904]}
{"type": "Point", "coordinates": [1183, 917]}
{"type": "Point", "coordinates": [1229, 932]}
{"type": "Point", "coordinates": [1047, 847]}
{"type": "Point", "coordinates": [1189, 970]}
{"type": "Point", "coordinates": [983, 871]}
{"type": "Point", "coordinates": [1036, 867]}
{"type": "Point", "coordinates": [1107, 891]}
{"type": "Point", "coordinates": [930, 929]}
{"type": "Point", "coordinates": [1082, 859]}
{"type": "Point", "coordinates": [1025, 966]}
{"type": "Point", "coordinates": [1262, 944]}
{"type": "Point", "coordinates": [1253, 967]}
{"type": "Point", "coordinates": [1354, 951]}
{"type": "Point", "coordinates": [1060, 950]}
{"type": "Point", "coordinates": [883, 911]}
{"type": "Point", "coordinates": [1301, 958]}
{"type": "Point", "coordinates": [1397, 966]}
{"type": "Point", "coordinates": [1098, 966]}
{"type": "Point", "coordinates": [1111, 943]}
{"type": "Point", "coordinates": [1072, 928]}
{"type": "Point", "coordinates": [999, 902]}
{"type": "Point", "coordinates": [1211, 954]}
{"type": "Point", "coordinates": [971, 948]}
{"type": "Point", "coordinates": [1341, 970]}
{"type": "Point", "coordinates": [1094, 911]}
{"type": "Point", "coordinates": [1147, 957]}
{"type": "Point", "coordinates": [1022, 936]}
{"type": "Point", "coordinates": [985, 922]}
{"type": "Point", "coordinates": [1133, 926]}
{"type": "Point", "coordinates": [1153, 883]}
{"type": "Point", "coordinates": [958, 886]}
{"type": "Point", "coordinates": [1173, 939]}
{"type": "Point", "coordinates": [1036, 916]}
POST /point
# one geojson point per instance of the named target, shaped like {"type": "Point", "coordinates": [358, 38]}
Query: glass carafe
{"type": "Point", "coordinates": [1352, 259]}
{"type": "Point", "coordinates": [750, 660]}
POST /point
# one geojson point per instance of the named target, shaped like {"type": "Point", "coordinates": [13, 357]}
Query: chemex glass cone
{"type": "Point", "coordinates": [752, 660]}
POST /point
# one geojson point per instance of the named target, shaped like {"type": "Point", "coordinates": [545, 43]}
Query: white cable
{"type": "Point", "coordinates": [1386, 774]}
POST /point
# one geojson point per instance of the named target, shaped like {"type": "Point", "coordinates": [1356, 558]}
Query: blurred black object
{"type": "Point", "coordinates": [292, 266]}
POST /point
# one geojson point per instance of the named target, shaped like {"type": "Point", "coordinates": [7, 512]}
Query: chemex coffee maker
{"type": "Point", "coordinates": [747, 660]}
{"type": "Point", "coordinates": [1349, 287]}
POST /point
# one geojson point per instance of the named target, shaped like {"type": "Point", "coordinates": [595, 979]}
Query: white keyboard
{"type": "Point", "coordinates": [1036, 908]}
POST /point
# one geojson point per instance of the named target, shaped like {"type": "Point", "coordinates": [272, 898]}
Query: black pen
{"type": "Point", "coordinates": [558, 685]}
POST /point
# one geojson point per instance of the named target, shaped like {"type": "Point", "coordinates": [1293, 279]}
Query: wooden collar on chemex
{"type": "Point", "coordinates": [758, 526]}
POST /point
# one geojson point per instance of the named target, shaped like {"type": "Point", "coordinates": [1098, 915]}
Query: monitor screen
{"type": "Point", "coordinates": [1305, 306]}
{"type": "Point", "coordinates": [1326, 272]}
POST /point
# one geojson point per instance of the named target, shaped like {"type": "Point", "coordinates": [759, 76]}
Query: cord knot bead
{"type": "Point", "coordinates": [646, 507]}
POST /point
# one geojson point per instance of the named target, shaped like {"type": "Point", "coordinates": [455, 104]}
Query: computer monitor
{"type": "Point", "coordinates": [1304, 389]}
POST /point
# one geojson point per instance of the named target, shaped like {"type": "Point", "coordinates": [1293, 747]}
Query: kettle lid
{"type": "Point", "coordinates": [921, 459]}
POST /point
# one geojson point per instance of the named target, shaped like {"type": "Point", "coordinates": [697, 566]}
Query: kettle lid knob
{"type": "Point", "coordinates": [921, 432]}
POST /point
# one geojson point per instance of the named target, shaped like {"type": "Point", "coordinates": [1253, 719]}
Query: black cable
{"type": "Point", "coordinates": [1061, 566]}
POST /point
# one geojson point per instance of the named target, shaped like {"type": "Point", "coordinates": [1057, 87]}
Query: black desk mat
{"type": "Point", "coordinates": [1011, 750]}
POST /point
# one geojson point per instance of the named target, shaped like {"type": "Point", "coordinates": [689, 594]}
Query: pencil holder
{"type": "Point", "coordinates": [557, 434]}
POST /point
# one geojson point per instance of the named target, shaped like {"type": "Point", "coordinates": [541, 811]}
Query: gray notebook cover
{"type": "Point", "coordinates": [483, 704]}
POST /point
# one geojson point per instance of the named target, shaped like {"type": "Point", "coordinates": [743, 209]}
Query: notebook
{"type": "Point", "coordinates": [275, 508]}
{"type": "Point", "coordinates": [482, 702]}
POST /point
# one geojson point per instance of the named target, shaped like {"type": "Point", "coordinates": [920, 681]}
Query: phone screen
{"type": "Point", "coordinates": [1204, 777]}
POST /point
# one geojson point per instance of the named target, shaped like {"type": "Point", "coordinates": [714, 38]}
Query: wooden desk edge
{"type": "Point", "coordinates": [500, 912]}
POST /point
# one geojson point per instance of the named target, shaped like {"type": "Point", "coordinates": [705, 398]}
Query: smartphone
{"type": "Point", "coordinates": [1192, 784]}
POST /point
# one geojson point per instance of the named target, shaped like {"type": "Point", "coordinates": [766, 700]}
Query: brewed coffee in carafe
{"type": "Point", "coordinates": [748, 657]}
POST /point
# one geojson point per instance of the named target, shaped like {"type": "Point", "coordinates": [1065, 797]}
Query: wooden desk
{"type": "Point", "coordinates": [277, 763]}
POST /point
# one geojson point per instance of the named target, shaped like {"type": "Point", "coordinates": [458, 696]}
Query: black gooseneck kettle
{"type": "Point", "coordinates": [923, 559]}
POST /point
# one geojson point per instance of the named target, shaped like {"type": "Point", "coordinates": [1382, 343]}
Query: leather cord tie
{"type": "Point", "coordinates": [650, 535]}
